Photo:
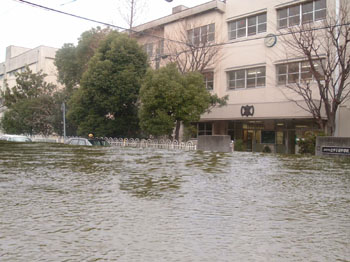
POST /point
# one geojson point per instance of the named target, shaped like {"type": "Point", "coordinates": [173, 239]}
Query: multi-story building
{"type": "Point", "coordinates": [253, 66]}
{"type": "Point", "coordinates": [37, 59]}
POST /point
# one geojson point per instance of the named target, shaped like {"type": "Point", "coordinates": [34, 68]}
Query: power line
{"type": "Point", "coordinates": [95, 21]}
{"type": "Point", "coordinates": [171, 40]}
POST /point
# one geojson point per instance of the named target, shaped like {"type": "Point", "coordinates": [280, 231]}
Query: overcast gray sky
{"type": "Point", "coordinates": [27, 26]}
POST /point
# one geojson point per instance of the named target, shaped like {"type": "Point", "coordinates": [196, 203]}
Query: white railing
{"type": "Point", "coordinates": [128, 142]}
{"type": "Point", "coordinates": [151, 143]}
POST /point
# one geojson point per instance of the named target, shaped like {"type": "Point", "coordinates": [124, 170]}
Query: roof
{"type": "Point", "coordinates": [214, 5]}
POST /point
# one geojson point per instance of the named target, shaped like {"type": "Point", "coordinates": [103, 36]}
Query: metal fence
{"type": "Point", "coordinates": [152, 143]}
{"type": "Point", "coordinates": [129, 142]}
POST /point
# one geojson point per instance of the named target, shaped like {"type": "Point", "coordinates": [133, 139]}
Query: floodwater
{"type": "Point", "coordinates": [64, 203]}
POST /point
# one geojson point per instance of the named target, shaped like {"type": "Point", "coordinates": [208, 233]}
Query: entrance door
{"type": "Point", "coordinates": [248, 139]}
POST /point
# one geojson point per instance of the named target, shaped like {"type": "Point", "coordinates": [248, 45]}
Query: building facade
{"type": "Point", "coordinates": [37, 59]}
{"type": "Point", "coordinates": [253, 67]}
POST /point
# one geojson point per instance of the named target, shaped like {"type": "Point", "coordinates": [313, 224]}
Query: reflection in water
{"type": "Point", "coordinates": [64, 203]}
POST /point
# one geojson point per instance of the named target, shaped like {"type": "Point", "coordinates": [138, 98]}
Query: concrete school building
{"type": "Point", "coordinates": [253, 67]}
{"type": "Point", "coordinates": [39, 58]}
{"type": "Point", "coordinates": [17, 58]}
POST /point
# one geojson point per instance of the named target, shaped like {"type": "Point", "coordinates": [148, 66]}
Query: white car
{"type": "Point", "coordinates": [15, 138]}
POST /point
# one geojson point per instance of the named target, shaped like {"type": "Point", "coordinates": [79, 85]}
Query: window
{"type": "Point", "coordinates": [148, 49]}
{"type": "Point", "coordinates": [231, 130]}
{"type": "Point", "coordinates": [201, 35]}
{"type": "Point", "coordinates": [160, 48]}
{"type": "Point", "coordinates": [267, 137]}
{"type": "Point", "coordinates": [246, 78]}
{"type": "Point", "coordinates": [205, 129]}
{"type": "Point", "coordinates": [301, 13]}
{"type": "Point", "coordinates": [297, 72]}
{"type": "Point", "coordinates": [209, 80]}
{"type": "Point", "coordinates": [159, 53]}
{"type": "Point", "coordinates": [251, 25]}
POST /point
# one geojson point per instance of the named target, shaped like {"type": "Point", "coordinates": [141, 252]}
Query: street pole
{"type": "Point", "coordinates": [63, 107]}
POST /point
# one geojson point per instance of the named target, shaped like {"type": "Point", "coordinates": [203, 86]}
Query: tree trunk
{"type": "Point", "coordinates": [330, 126]}
{"type": "Point", "coordinates": [177, 130]}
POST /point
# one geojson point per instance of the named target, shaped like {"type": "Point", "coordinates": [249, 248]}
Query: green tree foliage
{"type": "Point", "coordinates": [307, 143]}
{"type": "Point", "coordinates": [29, 85]}
{"type": "Point", "coordinates": [106, 102]}
{"type": "Point", "coordinates": [169, 98]}
{"type": "Point", "coordinates": [29, 103]}
{"type": "Point", "coordinates": [72, 61]}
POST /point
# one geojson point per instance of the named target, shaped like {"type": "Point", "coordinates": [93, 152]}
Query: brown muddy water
{"type": "Point", "coordinates": [64, 203]}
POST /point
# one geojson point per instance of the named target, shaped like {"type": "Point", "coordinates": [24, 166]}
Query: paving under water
{"type": "Point", "coordinates": [66, 203]}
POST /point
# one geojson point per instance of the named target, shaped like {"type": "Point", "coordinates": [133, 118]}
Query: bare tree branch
{"type": "Point", "coordinates": [326, 52]}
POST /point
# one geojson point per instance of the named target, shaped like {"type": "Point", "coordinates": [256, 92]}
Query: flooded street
{"type": "Point", "coordinates": [64, 203]}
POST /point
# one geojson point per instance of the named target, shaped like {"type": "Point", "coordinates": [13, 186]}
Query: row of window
{"type": "Point", "coordinates": [201, 35]}
{"type": "Point", "coordinates": [288, 16]}
{"type": "Point", "coordinates": [288, 73]}
{"type": "Point", "coordinates": [301, 13]}
{"type": "Point", "coordinates": [247, 26]}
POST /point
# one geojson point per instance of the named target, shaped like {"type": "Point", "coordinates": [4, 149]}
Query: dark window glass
{"type": "Point", "coordinates": [267, 137]}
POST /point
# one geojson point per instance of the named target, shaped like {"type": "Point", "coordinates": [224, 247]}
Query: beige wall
{"type": "Point", "coordinates": [272, 101]}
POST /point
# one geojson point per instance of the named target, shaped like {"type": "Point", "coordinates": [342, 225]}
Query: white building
{"type": "Point", "coordinates": [38, 59]}
{"type": "Point", "coordinates": [253, 69]}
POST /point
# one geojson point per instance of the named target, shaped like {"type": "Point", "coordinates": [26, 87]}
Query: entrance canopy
{"type": "Point", "coordinates": [269, 110]}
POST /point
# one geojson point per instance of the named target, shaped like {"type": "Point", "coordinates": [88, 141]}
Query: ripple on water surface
{"type": "Point", "coordinates": [64, 203]}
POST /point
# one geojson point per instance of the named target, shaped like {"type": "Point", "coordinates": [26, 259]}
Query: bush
{"type": "Point", "coordinates": [307, 144]}
{"type": "Point", "coordinates": [267, 149]}
{"type": "Point", "coordinates": [239, 146]}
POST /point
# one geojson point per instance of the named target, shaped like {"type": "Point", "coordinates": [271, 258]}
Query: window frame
{"type": "Point", "coordinates": [201, 35]}
{"type": "Point", "coordinates": [236, 77]}
{"type": "Point", "coordinates": [235, 30]}
{"type": "Point", "coordinates": [148, 47]}
{"type": "Point", "coordinates": [206, 131]}
{"type": "Point", "coordinates": [287, 74]}
{"type": "Point", "coordinates": [288, 17]}
{"type": "Point", "coordinates": [209, 80]}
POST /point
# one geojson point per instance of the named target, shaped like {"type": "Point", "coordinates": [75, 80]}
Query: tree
{"type": "Point", "coordinates": [30, 116]}
{"type": "Point", "coordinates": [29, 103]}
{"type": "Point", "coordinates": [72, 61]}
{"type": "Point", "coordinates": [106, 102]}
{"type": "Point", "coordinates": [192, 52]}
{"type": "Point", "coordinates": [131, 11]}
{"type": "Point", "coordinates": [169, 98]}
{"type": "Point", "coordinates": [325, 48]}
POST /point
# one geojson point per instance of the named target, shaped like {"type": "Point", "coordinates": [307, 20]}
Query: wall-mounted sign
{"type": "Point", "coordinates": [336, 150]}
{"type": "Point", "coordinates": [247, 110]}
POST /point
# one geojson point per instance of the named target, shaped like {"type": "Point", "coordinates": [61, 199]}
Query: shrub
{"type": "Point", "coordinates": [307, 144]}
{"type": "Point", "coordinates": [267, 149]}
{"type": "Point", "coordinates": [239, 146]}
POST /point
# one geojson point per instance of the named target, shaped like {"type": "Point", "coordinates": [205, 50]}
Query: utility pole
{"type": "Point", "coordinates": [63, 108]}
{"type": "Point", "coordinates": [132, 14]}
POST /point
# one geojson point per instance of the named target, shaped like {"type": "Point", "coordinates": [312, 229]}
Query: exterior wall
{"type": "Point", "coordinates": [344, 120]}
